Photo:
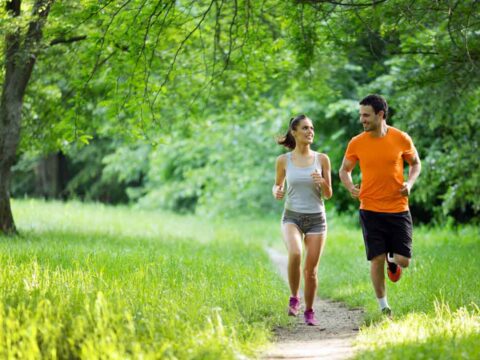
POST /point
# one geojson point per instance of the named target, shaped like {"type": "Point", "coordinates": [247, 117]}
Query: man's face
{"type": "Point", "coordinates": [369, 119]}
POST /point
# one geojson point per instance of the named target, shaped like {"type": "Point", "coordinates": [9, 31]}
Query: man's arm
{"type": "Point", "coordinates": [346, 177]}
{"type": "Point", "coordinates": [414, 169]}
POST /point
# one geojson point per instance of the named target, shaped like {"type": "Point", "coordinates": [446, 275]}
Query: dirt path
{"type": "Point", "coordinates": [332, 339]}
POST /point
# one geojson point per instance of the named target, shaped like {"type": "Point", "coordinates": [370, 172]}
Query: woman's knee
{"type": "Point", "coordinates": [310, 273]}
{"type": "Point", "coordinates": [295, 256]}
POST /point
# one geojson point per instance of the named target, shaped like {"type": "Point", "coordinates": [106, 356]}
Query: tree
{"type": "Point", "coordinates": [138, 63]}
{"type": "Point", "coordinates": [21, 51]}
{"type": "Point", "coordinates": [154, 69]}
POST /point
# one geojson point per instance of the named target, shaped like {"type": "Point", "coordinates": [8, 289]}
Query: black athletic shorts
{"type": "Point", "coordinates": [386, 232]}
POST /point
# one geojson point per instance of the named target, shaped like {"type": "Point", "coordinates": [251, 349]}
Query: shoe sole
{"type": "Point", "coordinates": [393, 277]}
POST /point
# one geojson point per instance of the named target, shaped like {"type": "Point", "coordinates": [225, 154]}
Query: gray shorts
{"type": "Point", "coordinates": [306, 223]}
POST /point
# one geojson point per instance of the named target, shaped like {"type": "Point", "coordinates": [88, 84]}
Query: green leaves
{"type": "Point", "coordinates": [196, 76]}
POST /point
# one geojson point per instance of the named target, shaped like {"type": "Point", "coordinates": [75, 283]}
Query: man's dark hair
{"type": "Point", "coordinates": [377, 102]}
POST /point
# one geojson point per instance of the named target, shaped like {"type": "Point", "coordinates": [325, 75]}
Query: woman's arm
{"type": "Point", "coordinates": [278, 188]}
{"type": "Point", "coordinates": [326, 185]}
{"type": "Point", "coordinates": [324, 181]}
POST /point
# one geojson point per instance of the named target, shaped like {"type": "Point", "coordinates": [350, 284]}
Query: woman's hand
{"type": "Point", "coordinates": [278, 192]}
{"type": "Point", "coordinates": [318, 179]}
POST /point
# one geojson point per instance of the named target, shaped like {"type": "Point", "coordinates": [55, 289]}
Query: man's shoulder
{"type": "Point", "coordinates": [399, 133]}
{"type": "Point", "coordinates": [359, 137]}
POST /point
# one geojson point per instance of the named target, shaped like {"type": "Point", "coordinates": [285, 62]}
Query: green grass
{"type": "Point", "coordinates": [435, 303]}
{"type": "Point", "coordinates": [89, 281]}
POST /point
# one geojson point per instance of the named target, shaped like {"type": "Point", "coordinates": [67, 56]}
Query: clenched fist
{"type": "Point", "coordinates": [278, 192]}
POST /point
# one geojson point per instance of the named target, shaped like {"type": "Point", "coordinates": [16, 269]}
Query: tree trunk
{"type": "Point", "coordinates": [10, 116]}
{"type": "Point", "coordinates": [51, 176]}
{"type": "Point", "coordinates": [20, 57]}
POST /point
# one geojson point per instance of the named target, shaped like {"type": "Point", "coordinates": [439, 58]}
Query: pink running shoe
{"type": "Point", "coordinates": [309, 316]}
{"type": "Point", "coordinates": [293, 306]}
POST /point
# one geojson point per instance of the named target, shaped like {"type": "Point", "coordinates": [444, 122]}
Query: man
{"type": "Point", "coordinates": [384, 213]}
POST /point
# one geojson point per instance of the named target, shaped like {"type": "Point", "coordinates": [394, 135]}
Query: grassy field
{"type": "Point", "coordinates": [90, 281]}
{"type": "Point", "coordinates": [435, 304]}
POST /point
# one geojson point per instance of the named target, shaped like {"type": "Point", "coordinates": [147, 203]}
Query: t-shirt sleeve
{"type": "Point", "coordinates": [351, 153]}
{"type": "Point", "coordinates": [409, 150]}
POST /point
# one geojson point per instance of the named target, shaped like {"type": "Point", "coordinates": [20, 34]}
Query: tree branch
{"type": "Point", "coordinates": [40, 13]}
{"type": "Point", "coordinates": [352, 5]}
{"type": "Point", "coordinates": [67, 41]}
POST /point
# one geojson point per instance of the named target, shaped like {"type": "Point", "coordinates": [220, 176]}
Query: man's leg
{"type": "Point", "coordinates": [401, 234]}
{"type": "Point", "coordinates": [401, 260]}
{"type": "Point", "coordinates": [374, 238]}
{"type": "Point", "coordinates": [377, 273]}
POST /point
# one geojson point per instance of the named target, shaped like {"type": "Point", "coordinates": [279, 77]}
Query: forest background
{"type": "Point", "coordinates": [177, 104]}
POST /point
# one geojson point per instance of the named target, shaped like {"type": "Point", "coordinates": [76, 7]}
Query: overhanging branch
{"type": "Point", "coordinates": [339, 3]}
{"type": "Point", "coordinates": [67, 41]}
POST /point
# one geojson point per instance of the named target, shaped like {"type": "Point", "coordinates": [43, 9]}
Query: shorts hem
{"type": "Point", "coordinates": [370, 257]}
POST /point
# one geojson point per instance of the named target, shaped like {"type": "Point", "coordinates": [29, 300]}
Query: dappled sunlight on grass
{"type": "Point", "coordinates": [100, 219]}
{"type": "Point", "coordinates": [186, 286]}
{"type": "Point", "coordinates": [442, 334]}
{"type": "Point", "coordinates": [87, 281]}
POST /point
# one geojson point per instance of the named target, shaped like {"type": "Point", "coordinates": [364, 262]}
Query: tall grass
{"type": "Point", "coordinates": [435, 303]}
{"type": "Point", "coordinates": [89, 281]}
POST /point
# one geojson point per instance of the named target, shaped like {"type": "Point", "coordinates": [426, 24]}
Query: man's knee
{"type": "Point", "coordinates": [378, 260]}
{"type": "Point", "coordinates": [403, 261]}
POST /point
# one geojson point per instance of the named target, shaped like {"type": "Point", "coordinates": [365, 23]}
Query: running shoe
{"type": "Point", "coordinates": [293, 306]}
{"type": "Point", "coordinates": [387, 311]}
{"type": "Point", "coordinates": [309, 316]}
{"type": "Point", "coordinates": [394, 271]}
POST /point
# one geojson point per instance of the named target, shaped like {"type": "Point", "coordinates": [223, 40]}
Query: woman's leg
{"type": "Point", "coordinates": [293, 241]}
{"type": "Point", "coordinates": [314, 244]}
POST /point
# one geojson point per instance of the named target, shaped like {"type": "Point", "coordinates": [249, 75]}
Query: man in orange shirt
{"type": "Point", "coordinates": [384, 214]}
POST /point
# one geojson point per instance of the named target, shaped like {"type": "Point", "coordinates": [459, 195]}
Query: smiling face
{"type": "Point", "coordinates": [304, 132]}
{"type": "Point", "coordinates": [368, 118]}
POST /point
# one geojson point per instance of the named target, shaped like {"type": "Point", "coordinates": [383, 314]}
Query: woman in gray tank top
{"type": "Point", "coordinates": [308, 182]}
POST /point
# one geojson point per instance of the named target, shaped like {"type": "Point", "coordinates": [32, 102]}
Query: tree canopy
{"type": "Point", "coordinates": [183, 99]}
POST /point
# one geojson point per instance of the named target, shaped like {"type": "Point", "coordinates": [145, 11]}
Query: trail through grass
{"type": "Point", "coordinates": [435, 303]}
{"type": "Point", "coordinates": [90, 281]}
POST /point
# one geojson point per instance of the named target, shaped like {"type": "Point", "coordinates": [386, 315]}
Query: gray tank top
{"type": "Point", "coordinates": [303, 195]}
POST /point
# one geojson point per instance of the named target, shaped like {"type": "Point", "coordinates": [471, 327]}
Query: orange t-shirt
{"type": "Point", "coordinates": [381, 163]}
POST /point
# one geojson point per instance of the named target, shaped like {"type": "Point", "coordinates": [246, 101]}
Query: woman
{"type": "Point", "coordinates": [308, 182]}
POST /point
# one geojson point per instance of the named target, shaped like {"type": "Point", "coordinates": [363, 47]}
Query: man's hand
{"type": "Point", "coordinates": [278, 192]}
{"type": "Point", "coordinates": [405, 190]}
{"type": "Point", "coordinates": [355, 191]}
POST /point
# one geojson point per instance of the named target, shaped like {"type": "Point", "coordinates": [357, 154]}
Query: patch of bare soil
{"type": "Point", "coordinates": [331, 339]}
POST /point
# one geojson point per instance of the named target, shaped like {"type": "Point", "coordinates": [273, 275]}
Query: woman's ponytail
{"type": "Point", "coordinates": [288, 140]}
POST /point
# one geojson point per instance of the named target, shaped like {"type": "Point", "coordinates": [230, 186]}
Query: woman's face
{"type": "Point", "coordinates": [304, 132]}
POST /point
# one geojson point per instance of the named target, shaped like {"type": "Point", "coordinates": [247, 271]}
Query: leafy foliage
{"type": "Point", "coordinates": [205, 84]}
